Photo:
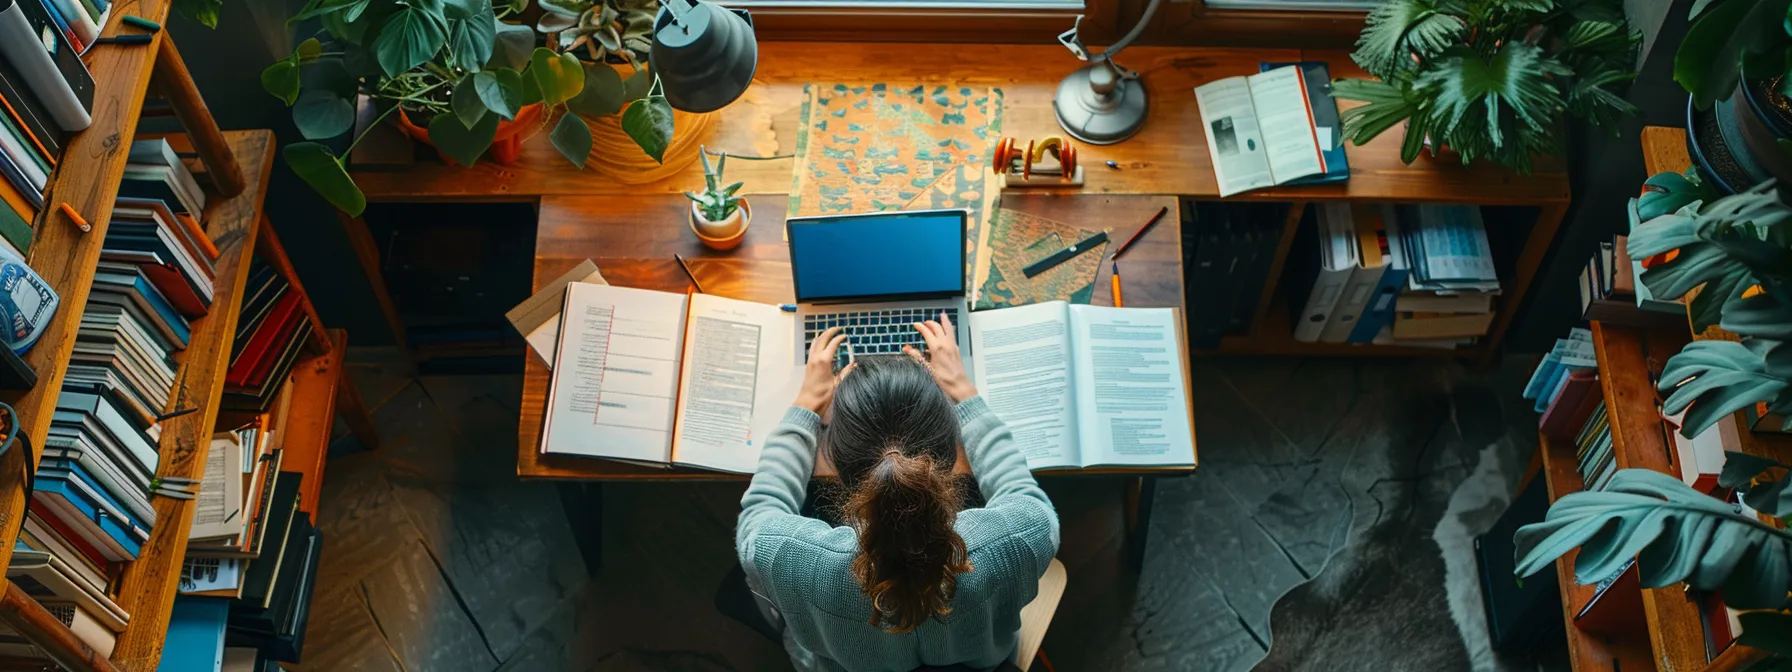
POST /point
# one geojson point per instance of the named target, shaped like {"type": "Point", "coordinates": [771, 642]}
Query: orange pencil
{"type": "Point", "coordinates": [1118, 302]}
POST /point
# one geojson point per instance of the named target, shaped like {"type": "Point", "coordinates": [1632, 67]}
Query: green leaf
{"type": "Point", "coordinates": [572, 138]}
{"type": "Point", "coordinates": [467, 105]}
{"type": "Point", "coordinates": [463, 144]}
{"type": "Point", "coordinates": [474, 39]}
{"type": "Point", "coordinates": [321, 8]}
{"type": "Point", "coordinates": [281, 80]}
{"type": "Point", "coordinates": [511, 47]}
{"type": "Point", "coordinates": [314, 164]}
{"type": "Point", "coordinates": [501, 91]}
{"type": "Point", "coordinates": [1676, 534]}
{"type": "Point", "coordinates": [461, 10]}
{"type": "Point", "coordinates": [602, 95]}
{"type": "Point", "coordinates": [557, 75]}
{"type": "Point", "coordinates": [1740, 468]}
{"type": "Point", "coordinates": [1773, 498]}
{"type": "Point", "coordinates": [309, 50]}
{"type": "Point", "coordinates": [649, 123]}
{"type": "Point", "coordinates": [1397, 29]}
{"type": "Point", "coordinates": [1715, 379]}
{"type": "Point", "coordinates": [1387, 105]}
{"type": "Point", "coordinates": [1516, 81]}
{"type": "Point", "coordinates": [531, 93]}
{"type": "Point", "coordinates": [408, 39]}
{"type": "Point", "coordinates": [321, 114]}
{"type": "Point", "coordinates": [1758, 316]}
{"type": "Point", "coordinates": [1708, 63]}
{"type": "Point", "coordinates": [1766, 630]}
{"type": "Point", "coordinates": [203, 11]}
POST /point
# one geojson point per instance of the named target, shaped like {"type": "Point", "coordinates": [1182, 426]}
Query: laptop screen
{"type": "Point", "coordinates": [878, 256]}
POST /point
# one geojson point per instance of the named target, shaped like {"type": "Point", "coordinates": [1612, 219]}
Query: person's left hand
{"type": "Point", "coordinates": [819, 380]}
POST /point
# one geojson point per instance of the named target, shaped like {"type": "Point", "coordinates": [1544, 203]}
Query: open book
{"type": "Point", "coordinates": [1086, 385]}
{"type": "Point", "coordinates": [662, 378]}
{"type": "Point", "coordinates": [1260, 130]}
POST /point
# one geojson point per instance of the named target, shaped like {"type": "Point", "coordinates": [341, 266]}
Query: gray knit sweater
{"type": "Point", "coordinates": [804, 567]}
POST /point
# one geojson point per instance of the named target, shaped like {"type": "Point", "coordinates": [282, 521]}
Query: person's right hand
{"type": "Point", "coordinates": [942, 358]}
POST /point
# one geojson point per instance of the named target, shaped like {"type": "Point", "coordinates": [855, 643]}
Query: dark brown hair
{"type": "Point", "coordinates": [894, 439]}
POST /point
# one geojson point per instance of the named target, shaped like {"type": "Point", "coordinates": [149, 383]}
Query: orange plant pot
{"type": "Point", "coordinates": [729, 242]}
{"type": "Point", "coordinates": [507, 143]}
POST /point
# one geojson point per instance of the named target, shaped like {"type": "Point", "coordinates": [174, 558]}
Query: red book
{"type": "Point", "coordinates": [282, 319]}
{"type": "Point", "coordinates": [175, 289]}
{"type": "Point", "coordinates": [74, 539]}
{"type": "Point", "coordinates": [1569, 412]}
{"type": "Point", "coordinates": [1616, 608]}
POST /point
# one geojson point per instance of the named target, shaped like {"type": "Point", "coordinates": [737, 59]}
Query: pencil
{"type": "Point", "coordinates": [1118, 302]}
{"type": "Point", "coordinates": [1135, 235]}
{"type": "Point", "coordinates": [687, 272]}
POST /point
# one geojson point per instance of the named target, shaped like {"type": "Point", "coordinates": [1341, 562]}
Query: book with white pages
{"type": "Point", "coordinates": [664, 379]}
{"type": "Point", "coordinates": [1260, 130]}
{"type": "Point", "coordinates": [1083, 386]}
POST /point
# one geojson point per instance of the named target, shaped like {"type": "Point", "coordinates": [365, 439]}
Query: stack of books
{"type": "Point", "coordinates": [91, 504]}
{"type": "Point", "coordinates": [1356, 269]}
{"type": "Point", "coordinates": [250, 544]}
{"type": "Point", "coordinates": [272, 330]}
{"type": "Point", "coordinates": [1594, 449]}
{"type": "Point", "coordinates": [1448, 299]}
{"type": "Point", "coordinates": [45, 93]}
{"type": "Point", "coordinates": [1610, 291]}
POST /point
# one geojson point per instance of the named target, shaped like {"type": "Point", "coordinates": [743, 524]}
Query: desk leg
{"type": "Point", "coordinates": [584, 506]}
{"type": "Point", "coordinates": [1140, 490]}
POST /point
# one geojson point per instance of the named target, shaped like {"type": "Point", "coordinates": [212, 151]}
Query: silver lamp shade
{"type": "Point", "coordinates": [704, 54]}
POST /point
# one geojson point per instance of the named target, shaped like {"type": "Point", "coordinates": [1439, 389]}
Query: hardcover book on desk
{"type": "Point", "coordinates": [1260, 130]}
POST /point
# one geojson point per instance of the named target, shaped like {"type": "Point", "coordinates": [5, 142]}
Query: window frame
{"type": "Point", "coordinates": [1188, 22]}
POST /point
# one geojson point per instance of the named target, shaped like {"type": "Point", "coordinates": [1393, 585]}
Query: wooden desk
{"type": "Point", "coordinates": [632, 239]}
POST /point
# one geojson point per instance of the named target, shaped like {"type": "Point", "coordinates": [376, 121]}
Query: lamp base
{"type": "Point", "coordinates": [1100, 119]}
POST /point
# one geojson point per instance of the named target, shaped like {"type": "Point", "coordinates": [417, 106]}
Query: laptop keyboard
{"type": "Point", "coordinates": [874, 332]}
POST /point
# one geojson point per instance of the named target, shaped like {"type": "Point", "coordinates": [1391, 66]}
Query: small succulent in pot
{"type": "Point", "coordinates": [717, 214]}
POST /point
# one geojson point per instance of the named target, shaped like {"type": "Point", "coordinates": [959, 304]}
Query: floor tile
{"type": "Point", "coordinates": [417, 613]}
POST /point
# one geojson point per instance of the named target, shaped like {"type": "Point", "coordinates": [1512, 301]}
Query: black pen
{"type": "Point", "coordinates": [687, 271]}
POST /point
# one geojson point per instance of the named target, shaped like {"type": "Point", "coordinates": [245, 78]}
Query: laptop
{"type": "Point", "coordinates": [876, 275]}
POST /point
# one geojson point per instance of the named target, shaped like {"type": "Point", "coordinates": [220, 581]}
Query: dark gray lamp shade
{"type": "Point", "coordinates": [704, 54]}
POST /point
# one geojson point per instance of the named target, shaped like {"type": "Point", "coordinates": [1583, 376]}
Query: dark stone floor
{"type": "Point", "coordinates": [1362, 482]}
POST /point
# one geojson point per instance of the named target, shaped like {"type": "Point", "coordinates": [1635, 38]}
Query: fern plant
{"type": "Point", "coordinates": [1489, 78]}
{"type": "Point", "coordinates": [1677, 534]}
{"type": "Point", "coordinates": [716, 202]}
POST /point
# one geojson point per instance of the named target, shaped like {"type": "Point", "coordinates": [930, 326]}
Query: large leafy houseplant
{"type": "Point", "coordinates": [1489, 78]}
{"type": "Point", "coordinates": [452, 66]}
{"type": "Point", "coordinates": [1675, 534]}
{"type": "Point", "coordinates": [599, 32]}
{"type": "Point", "coordinates": [1733, 40]}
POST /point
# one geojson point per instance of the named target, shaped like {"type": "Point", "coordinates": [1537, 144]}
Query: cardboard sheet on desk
{"type": "Point", "coordinates": [1019, 239]}
{"type": "Point", "coordinates": [538, 318]}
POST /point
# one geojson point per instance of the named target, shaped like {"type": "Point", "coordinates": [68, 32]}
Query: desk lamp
{"type": "Point", "coordinates": [704, 54]}
{"type": "Point", "coordinates": [1103, 103]}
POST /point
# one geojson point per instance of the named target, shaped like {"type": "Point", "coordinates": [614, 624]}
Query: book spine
{"type": "Point", "coordinates": [83, 24]}
{"type": "Point", "coordinates": [62, 26]}
{"type": "Point", "coordinates": [53, 79]}
{"type": "Point", "coordinates": [34, 167]}
{"type": "Point", "coordinates": [16, 95]}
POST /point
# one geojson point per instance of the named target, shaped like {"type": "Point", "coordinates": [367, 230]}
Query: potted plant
{"type": "Point", "coordinates": [1488, 79]}
{"type": "Point", "coordinates": [611, 38]}
{"type": "Point", "coordinates": [457, 76]}
{"type": "Point", "coordinates": [1738, 47]}
{"type": "Point", "coordinates": [718, 217]}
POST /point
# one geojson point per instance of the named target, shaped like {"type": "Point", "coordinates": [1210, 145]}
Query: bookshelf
{"type": "Point", "coordinates": [1169, 156]}
{"type": "Point", "coordinates": [235, 166]}
{"type": "Point", "coordinates": [1670, 637]}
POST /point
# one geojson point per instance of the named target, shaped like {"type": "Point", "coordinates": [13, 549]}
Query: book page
{"type": "Point", "coordinates": [218, 508]}
{"type": "Point", "coordinates": [1233, 140]}
{"type": "Point", "coordinates": [1020, 358]}
{"type": "Point", "coordinates": [1280, 97]}
{"type": "Point", "coordinates": [615, 374]}
{"type": "Point", "coordinates": [1131, 397]}
{"type": "Point", "coordinates": [738, 377]}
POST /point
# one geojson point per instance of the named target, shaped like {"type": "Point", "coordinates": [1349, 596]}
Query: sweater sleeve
{"type": "Point", "coordinates": [781, 481]}
{"type": "Point", "coordinates": [1002, 473]}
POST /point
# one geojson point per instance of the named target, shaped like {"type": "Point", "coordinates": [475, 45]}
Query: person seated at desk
{"type": "Point", "coordinates": [911, 581]}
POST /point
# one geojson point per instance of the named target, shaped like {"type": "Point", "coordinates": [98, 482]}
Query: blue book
{"type": "Point", "coordinates": [11, 172]}
{"type": "Point", "coordinates": [151, 301]}
{"type": "Point", "coordinates": [115, 424]}
{"type": "Point", "coordinates": [1326, 121]}
{"type": "Point", "coordinates": [108, 489]}
{"type": "Point", "coordinates": [195, 640]}
{"type": "Point", "coordinates": [97, 493]}
{"type": "Point", "coordinates": [1379, 311]}
{"type": "Point", "coordinates": [56, 487]}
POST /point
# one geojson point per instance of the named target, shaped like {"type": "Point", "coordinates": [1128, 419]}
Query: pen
{"type": "Point", "coordinates": [1135, 235]}
{"type": "Point", "coordinates": [1118, 302]}
{"type": "Point", "coordinates": [687, 272]}
{"type": "Point", "coordinates": [787, 307]}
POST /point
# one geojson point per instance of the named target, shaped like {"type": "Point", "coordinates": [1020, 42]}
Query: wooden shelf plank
{"type": "Point", "coordinates": [1626, 356]}
{"type": "Point", "coordinates": [1169, 156]}
{"type": "Point", "coordinates": [312, 417]}
{"type": "Point", "coordinates": [149, 584]}
{"type": "Point", "coordinates": [87, 179]}
{"type": "Point", "coordinates": [1587, 651]}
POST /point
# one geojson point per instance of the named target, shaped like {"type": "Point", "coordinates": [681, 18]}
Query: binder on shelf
{"type": "Point", "coordinates": [1333, 261]}
{"type": "Point", "coordinates": [1365, 278]}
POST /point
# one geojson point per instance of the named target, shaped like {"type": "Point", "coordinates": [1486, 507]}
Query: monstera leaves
{"type": "Point", "coordinates": [1727, 246]}
{"type": "Point", "coordinates": [1712, 379]}
{"type": "Point", "coordinates": [1674, 532]}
